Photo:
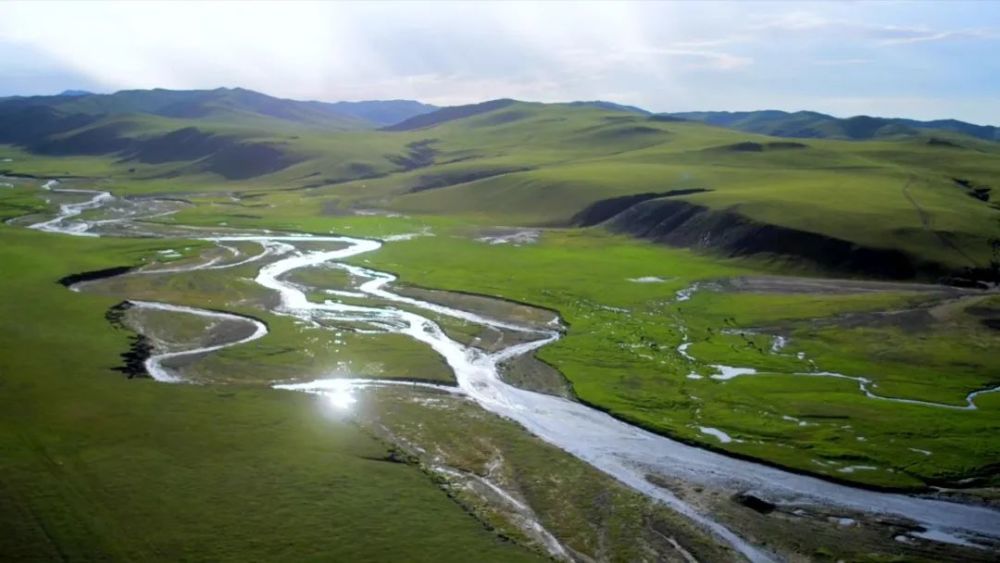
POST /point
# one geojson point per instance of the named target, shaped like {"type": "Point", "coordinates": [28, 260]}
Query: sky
{"type": "Point", "coordinates": [924, 60]}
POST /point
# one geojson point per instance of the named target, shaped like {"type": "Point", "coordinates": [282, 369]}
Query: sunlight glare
{"type": "Point", "coordinates": [340, 395]}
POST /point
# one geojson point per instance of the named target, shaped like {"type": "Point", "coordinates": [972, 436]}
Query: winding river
{"type": "Point", "coordinates": [623, 451]}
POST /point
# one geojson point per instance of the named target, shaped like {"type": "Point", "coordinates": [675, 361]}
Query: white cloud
{"type": "Point", "coordinates": [665, 56]}
{"type": "Point", "coordinates": [925, 35]}
{"type": "Point", "coordinates": [882, 34]}
{"type": "Point", "coordinates": [842, 62]}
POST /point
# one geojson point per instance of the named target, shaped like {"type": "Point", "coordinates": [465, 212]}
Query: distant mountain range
{"type": "Point", "coordinates": [383, 112]}
{"type": "Point", "coordinates": [219, 105]}
{"type": "Point", "coordinates": [241, 105]}
{"type": "Point", "coordinates": [810, 125]}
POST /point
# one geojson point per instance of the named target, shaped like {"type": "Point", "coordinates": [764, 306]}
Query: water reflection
{"type": "Point", "coordinates": [336, 393]}
{"type": "Point", "coordinates": [340, 395]}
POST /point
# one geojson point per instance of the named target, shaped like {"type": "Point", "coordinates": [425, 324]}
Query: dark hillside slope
{"type": "Point", "coordinates": [222, 105]}
{"type": "Point", "coordinates": [680, 223]}
{"type": "Point", "coordinates": [192, 149]}
{"type": "Point", "coordinates": [27, 124]}
{"type": "Point", "coordinates": [235, 133]}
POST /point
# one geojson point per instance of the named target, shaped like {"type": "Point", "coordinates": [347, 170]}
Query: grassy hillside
{"type": "Point", "coordinates": [810, 124]}
{"type": "Point", "coordinates": [534, 164]}
{"type": "Point", "coordinates": [917, 206]}
{"type": "Point", "coordinates": [222, 104]}
{"type": "Point", "coordinates": [232, 134]}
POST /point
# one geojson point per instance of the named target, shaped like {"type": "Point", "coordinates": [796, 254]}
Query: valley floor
{"type": "Point", "coordinates": [865, 383]}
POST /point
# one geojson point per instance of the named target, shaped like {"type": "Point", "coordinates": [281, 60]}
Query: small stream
{"type": "Point", "coordinates": [621, 450]}
{"type": "Point", "coordinates": [865, 384]}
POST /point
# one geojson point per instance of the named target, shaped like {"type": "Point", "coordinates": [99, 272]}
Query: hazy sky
{"type": "Point", "coordinates": [923, 59]}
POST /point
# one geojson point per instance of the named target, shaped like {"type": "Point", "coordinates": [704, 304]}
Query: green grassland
{"type": "Point", "coordinates": [620, 355]}
{"type": "Point", "coordinates": [626, 361]}
{"type": "Point", "coordinates": [75, 437]}
{"type": "Point", "coordinates": [95, 466]}
{"type": "Point", "coordinates": [570, 498]}
{"type": "Point", "coordinates": [290, 350]}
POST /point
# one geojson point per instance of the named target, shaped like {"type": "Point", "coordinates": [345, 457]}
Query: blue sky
{"type": "Point", "coordinates": [914, 59]}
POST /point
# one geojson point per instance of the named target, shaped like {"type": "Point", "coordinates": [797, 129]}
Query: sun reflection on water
{"type": "Point", "coordinates": [340, 394]}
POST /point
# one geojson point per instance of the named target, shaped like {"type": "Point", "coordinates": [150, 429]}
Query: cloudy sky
{"type": "Point", "coordinates": [923, 60]}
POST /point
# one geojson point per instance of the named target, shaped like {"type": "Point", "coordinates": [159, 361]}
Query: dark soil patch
{"type": "Point", "coordinates": [799, 285]}
{"type": "Point", "coordinates": [786, 145]}
{"type": "Point", "coordinates": [635, 130]}
{"type": "Point", "coordinates": [978, 191]}
{"type": "Point", "coordinates": [140, 348]}
{"type": "Point", "coordinates": [72, 279]}
{"type": "Point", "coordinates": [748, 146]}
{"type": "Point", "coordinates": [135, 357]}
{"type": "Point", "coordinates": [983, 311]}
{"type": "Point", "coordinates": [667, 119]}
{"type": "Point", "coordinates": [394, 456]}
{"type": "Point", "coordinates": [529, 372]}
{"type": "Point", "coordinates": [741, 147]}
{"type": "Point", "coordinates": [332, 207]}
{"type": "Point", "coordinates": [938, 142]}
{"type": "Point", "coordinates": [755, 503]}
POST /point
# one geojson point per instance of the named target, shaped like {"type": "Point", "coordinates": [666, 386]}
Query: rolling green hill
{"type": "Point", "coordinates": [913, 206]}
{"type": "Point", "coordinates": [234, 134]}
{"type": "Point", "coordinates": [227, 105]}
{"type": "Point", "coordinates": [795, 202]}
{"type": "Point", "coordinates": [810, 124]}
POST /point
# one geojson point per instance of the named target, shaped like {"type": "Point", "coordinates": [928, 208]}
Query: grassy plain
{"type": "Point", "coordinates": [621, 350]}
{"type": "Point", "coordinates": [75, 437]}
{"type": "Point", "coordinates": [95, 466]}
{"type": "Point", "coordinates": [621, 355]}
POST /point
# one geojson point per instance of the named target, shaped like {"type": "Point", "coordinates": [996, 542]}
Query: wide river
{"type": "Point", "coordinates": [623, 451]}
